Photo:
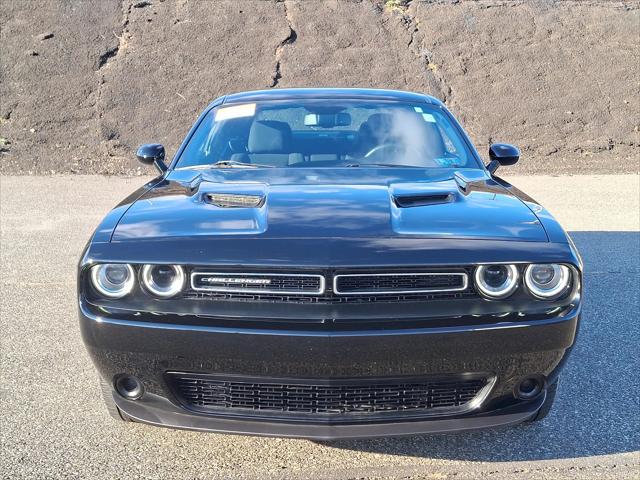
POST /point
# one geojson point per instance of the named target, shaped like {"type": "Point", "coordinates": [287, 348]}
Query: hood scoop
{"type": "Point", "coordinates": [234, 200]}
{"type": "Point", "coordinates": [422, 200]}
{"type": "Point", "coordinates": [411, 195]}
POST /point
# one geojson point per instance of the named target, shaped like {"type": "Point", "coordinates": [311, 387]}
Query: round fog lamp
{"type": "Point", "coordinates": [113, 280]}
{"type": "Point", "coordinates": [163, 281]}
{"type": "Point", "coordinates": [528, 387]}
{"type": "Point", "coordinates": [496, 281]}
{"type": "Point", "coordinates": [548, 280]}
{"type": "Point", "coordinates": [129, 387]}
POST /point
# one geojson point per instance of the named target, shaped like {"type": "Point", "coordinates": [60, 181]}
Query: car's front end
{"type": "Point", "coordinates": [329, 303]}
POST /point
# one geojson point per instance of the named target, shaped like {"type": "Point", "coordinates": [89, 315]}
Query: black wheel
{"type": "Point", "coordinates": [548, 403]}
{"type": "Point", "coordinates": [112, 408]}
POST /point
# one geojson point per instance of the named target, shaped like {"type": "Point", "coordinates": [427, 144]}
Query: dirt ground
{"type": "Point", "coordinates": [82, 83]}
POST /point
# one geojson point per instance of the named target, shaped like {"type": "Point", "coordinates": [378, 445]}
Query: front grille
{"type": "Point", "coordinates": [215, 394]}
{"type": "Point", "coordinates": [407, 283]}
{"type": "Point", "coordinates": [339, 287]}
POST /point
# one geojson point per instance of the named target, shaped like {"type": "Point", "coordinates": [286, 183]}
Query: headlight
{"type": "Point", "coordinates": [497, 281]}
{"type": "Point", "coordinates": [163, 281]}
{"type": "Point", "coordinates": [547, 281]}
{"type": "Point", "coordinates": [113, 280]}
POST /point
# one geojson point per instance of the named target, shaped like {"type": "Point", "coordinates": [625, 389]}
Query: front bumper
{"type": "Point", "coordinates": [506, 351]}
{"type": "Point", "coordinates": [156, 410]}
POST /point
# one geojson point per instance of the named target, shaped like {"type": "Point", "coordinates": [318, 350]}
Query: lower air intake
{"type": "Point", "coordinates": [215, 394]}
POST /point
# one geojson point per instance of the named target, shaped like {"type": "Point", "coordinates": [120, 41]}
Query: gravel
{"type": "Point", "coordinates": [53, 424]}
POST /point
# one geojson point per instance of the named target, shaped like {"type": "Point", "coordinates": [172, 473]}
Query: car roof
{"type": "Point", "coordinates": [312, 93]}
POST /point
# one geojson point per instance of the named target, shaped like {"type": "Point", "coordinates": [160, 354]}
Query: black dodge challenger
{"type": "Point", "coordinates": [329, 263]}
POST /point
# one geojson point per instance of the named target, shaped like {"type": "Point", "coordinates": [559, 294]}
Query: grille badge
{"type": "Point", "coordinates": [236, 280]}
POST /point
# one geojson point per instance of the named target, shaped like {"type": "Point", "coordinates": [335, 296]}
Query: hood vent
{"type": "Point", "coordinates": [421, 200]}
{"type": "Point", "coordinates": [233, 200]}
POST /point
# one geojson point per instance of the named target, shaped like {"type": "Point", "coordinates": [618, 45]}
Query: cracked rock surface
{"type": "Point", "coordinates": [555, 78]}
{"type": "Point", "coordinates": [558, 79]}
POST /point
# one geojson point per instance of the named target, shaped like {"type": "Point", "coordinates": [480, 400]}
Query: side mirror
{"type": "Point", "coordinates": [502, 154]}
{"type": "Point", "coordinates": [152, 154]}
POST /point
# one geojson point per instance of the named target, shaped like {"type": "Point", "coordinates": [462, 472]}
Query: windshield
{"type": "Point", "coordinates": [326, 133]}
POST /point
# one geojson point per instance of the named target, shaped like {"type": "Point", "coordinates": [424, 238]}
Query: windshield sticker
{"type": "Point", "coordinates": [236, 111]}
{"type": "Point", "coordinates": [448, 162]}
{"type": "Point", "coordinates": [428, 118]}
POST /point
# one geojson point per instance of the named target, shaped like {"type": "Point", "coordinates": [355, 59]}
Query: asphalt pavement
{"type": "Point", "coordinates": [53, 423]}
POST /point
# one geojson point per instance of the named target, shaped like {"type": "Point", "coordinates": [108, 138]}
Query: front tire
{"type": "Point", "coordinates": [548, 403]}
{"type": "Point", "coordinates": [112, 408]}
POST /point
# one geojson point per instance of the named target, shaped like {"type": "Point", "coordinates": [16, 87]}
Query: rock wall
{"type": "Point", "coordinates": [83, 83]}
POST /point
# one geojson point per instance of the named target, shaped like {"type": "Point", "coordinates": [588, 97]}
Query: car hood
{"type": "Point", "coordinates": [329, 203]}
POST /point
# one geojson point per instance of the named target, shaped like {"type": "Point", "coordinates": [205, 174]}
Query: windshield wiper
{"type": "Point", "coordinates": [235, 164]}
{"type": "Point", "coordinates": [392, 165]}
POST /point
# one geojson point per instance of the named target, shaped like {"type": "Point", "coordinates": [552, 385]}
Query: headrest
{"type": "Point", "coordinates": [375, 129]}
{"type": "Point", "coordinates": [380, 122]}
{"type": "Point", "coordinates": [269, 136]}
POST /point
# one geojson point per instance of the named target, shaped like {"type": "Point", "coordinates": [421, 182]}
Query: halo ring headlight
{"type": "Point", "coordinates": [163, 281]}
{"type": "Point", "coordinates": [113, 280]}
{"type": "Point", "coordinates": [547, 280]}
{"type": "Point", "coordinates": [496, 281]}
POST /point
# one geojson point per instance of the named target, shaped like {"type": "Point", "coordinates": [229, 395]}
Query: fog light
{"type": "Point", "coordinates": [528, 388]}
{"type": "Point", "coordinates": [129, 387]}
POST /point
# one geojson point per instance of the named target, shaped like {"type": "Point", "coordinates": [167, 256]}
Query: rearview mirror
{"type": "Point", "coordinates": [502, 154]}
{"type": "Point", "coordinates": [152, 154]}
{"type": "Point", "coordinates": [327, 120]}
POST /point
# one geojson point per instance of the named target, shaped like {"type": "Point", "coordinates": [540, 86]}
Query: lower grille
{"type": "Point", "coordinates": [215, 394]}
{"type": "Point", "coordinates": [331, 299]}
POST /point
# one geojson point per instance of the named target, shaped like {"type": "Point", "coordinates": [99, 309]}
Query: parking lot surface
{"type": "Point", "coordinates": [53, 423]}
